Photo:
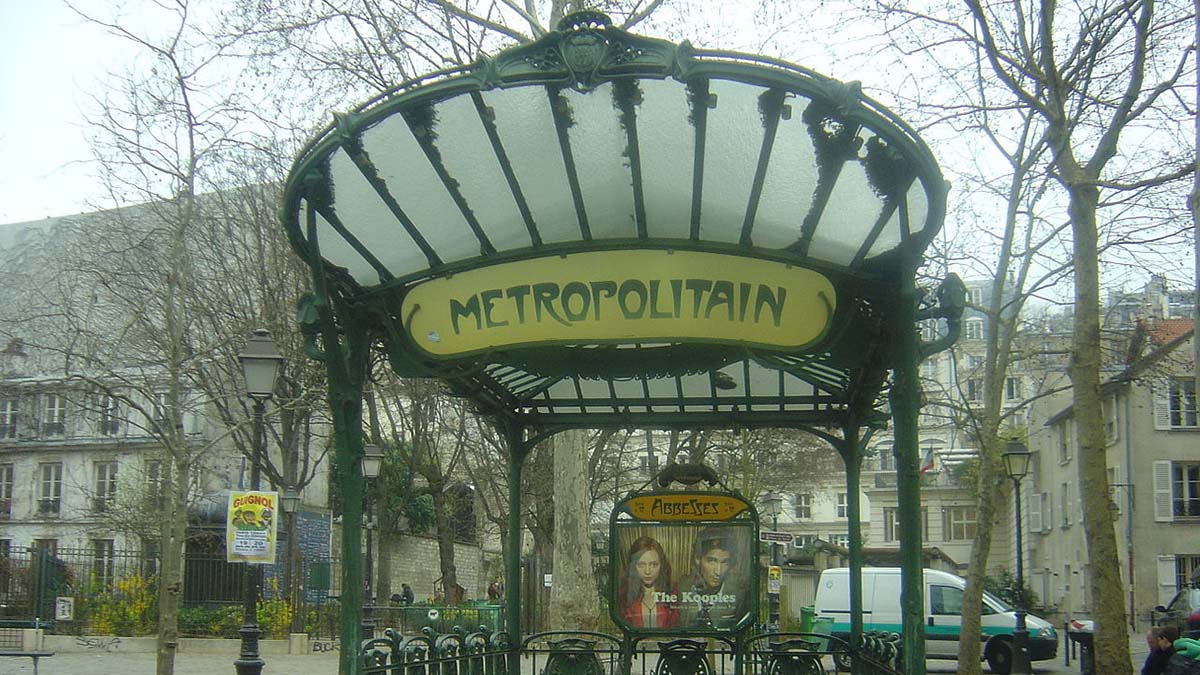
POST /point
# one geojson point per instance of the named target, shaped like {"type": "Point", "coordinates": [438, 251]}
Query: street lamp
{"type": "Point", "coordinates": [1016, 462]}
{"type": "Point", "coordinates": [372, 462]}
{"type": "Point", "coordinates": [773, 504]}
{"type": "Point", "coordinates": [289, 501]}
{"type": "Point", "coordinates": [261, 362]}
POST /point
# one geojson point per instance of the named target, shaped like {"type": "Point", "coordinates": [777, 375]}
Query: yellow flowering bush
{"type": "Point", "coordinates": [128, 608]}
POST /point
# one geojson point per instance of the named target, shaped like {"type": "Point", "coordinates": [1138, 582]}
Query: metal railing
{"type": "Point", "coordinates": [485, 652]}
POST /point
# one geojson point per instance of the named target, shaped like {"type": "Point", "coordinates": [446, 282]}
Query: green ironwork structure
{"type": "Point", "coordinates": [600, 229]}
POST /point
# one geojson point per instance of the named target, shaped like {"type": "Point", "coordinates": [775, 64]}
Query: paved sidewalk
{"type": "Point", "coordinates": [118, 663]}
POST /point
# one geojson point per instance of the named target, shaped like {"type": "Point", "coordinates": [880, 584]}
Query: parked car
{"type": "Point", "coordinates": [1183, 611]}
{"type": "Point", "coordinates": [943, 615]}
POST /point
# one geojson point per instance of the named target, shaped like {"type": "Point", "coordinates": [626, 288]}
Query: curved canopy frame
{"type": "Point", "coordinates": [604, 229]}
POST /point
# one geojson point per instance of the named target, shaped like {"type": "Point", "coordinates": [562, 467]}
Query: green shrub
{"type": "Point", "coordinates": [220, 622]}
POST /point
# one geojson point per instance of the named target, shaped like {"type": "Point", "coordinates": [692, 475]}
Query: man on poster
{"type": "Point", "coordinates": [710, 602]}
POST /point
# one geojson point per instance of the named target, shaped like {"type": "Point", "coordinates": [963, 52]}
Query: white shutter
{"type": "Point", "coordinates": [1047, 512]}
{"type": "Point", "coordinates": [1079, 505]}
{"type": "Point", "coordinates": [1163, 507]}
{"type": "Point", "coordinates": [1115, 493]}
{"type": "Point", "coordinates": [1037, 582]}
{"type": "Point", "coordinates": [1166, 578]}
{"type": "Point", "coordinates": [1034, 508]}
{"type": "Point", "coordinates": [1161, 389]}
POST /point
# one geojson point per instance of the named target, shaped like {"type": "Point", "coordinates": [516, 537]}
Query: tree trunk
{"type": "Point", "coordinates": [990, 488]}
{"type": "Point", "coordinates": [573, 601]}
{"type": "Point", "coordinates": [174, 541]}
{"type": "Point", "coordinates": [452, 592]}
{"type": "Point", "coordinates": [1111, 639]}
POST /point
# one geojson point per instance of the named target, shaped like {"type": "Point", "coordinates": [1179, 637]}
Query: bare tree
{"type": "Point", "coordinates": [1084, 74]}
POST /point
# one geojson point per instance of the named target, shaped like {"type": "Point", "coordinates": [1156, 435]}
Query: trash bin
{"type": "Point", "coordinates": [1080, 632]}
{"type": "Point", "coordinates": [807, 612]}
{"type": "Point", "coordinates": [823, 625]}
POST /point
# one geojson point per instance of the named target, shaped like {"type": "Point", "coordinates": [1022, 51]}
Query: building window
{"type": "Point", "coordinates": [974, 389]}
{"type": "Point", "coordinates": [929, 368]}
{"type": "Point", "coordinates": [840, 507]}
{"type": "Point", "coordinates": [959, 524]}
{"type": "Point", "coordinates": [106, 486]}
{"type": "Point", "coordinates": [891, 524]}
{"type": "Point", "coordinates": [975, 296]}
{"type": "Point", "coordinates": [804, 506]}
{"type": "Point", "coordinates": [887, 459]}
{"type": "Point", "coordinates": [104, 558]}
{"type": "Point", "coordinates": [54, 415]}
{"type": "Point", "coordinates": [110, 416]}
{"type": "Point", "coordinates": [1185, 489]}
{"type": "Point", "coordinates": [50, 488]}
{"type": "Point", "coordinates": [804, 540]}
{"type": "Point", "coordinates": [159, 422]}
{"type": "Point", "coordinates": [973, 329]}
{"type": "Point", "coordinates": [840, 539]}
{"type": "Point", "coordinates": [154, 481]}
{"type": "Point", "coordinates": [1012, 388]}
{"type": "Point", "coordinates": [50, 546]}
{"type": "Point", "coordinates": [8, 418]}
{"type": "Point", "coordinates": [1064, 504]}
{"type": "Point", "coordinates": [1185, 567]}
{"type": "Point", "coordinates": [1182, 402]}
{"type": "Point", "coordinates": [6, 491]}
{"type": "Point", "coordinates": [974, 361]}
{"type": "Point", "coordinates": [6, 569]}
{"type": "Point", "coordinates": [929, 329]}
{"type": "Point", "coordinates": [1064, 442]}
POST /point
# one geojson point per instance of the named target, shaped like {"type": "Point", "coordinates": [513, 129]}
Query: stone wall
{"type": "Point", "coordinates": [415, 562]}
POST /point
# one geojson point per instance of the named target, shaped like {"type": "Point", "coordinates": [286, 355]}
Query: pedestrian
{"type": "Point", "coordinates": [406, 594]}
{"type": "Point", "coordinates": [1162, 647]}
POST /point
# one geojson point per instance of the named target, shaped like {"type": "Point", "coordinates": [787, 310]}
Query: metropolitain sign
{"type": "Point", "coordinates": [616, 297]}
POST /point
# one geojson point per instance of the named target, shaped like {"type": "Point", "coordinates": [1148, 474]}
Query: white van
{"type": "Point", "coordinates": [943, 614]}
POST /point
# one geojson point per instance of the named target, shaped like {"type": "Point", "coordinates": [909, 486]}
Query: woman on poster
{"type": "Point", "coordinates": [648, 594]}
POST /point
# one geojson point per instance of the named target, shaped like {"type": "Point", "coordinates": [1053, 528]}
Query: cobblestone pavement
{"type": "Point", "coordinates": [326, 664]}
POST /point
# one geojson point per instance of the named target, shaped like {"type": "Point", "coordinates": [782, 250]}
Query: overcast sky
{"type": "Point", "coordinates": [49, 61]}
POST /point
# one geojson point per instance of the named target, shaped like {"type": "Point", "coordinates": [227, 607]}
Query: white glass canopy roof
{"type": "Point", "coordinates": [596, 139]}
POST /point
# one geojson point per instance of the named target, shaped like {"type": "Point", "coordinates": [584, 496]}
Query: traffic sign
{"type": "Point", "coordinates": [776, 537]}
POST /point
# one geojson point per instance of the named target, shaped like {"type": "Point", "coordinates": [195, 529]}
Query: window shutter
{"type": "Point", "coordinates": [1166, 578]}
{"type": "Point", "coordinates": [1037, 582]}
{"type": "Point", "coordinates": [1034, 508]}
{"type": "Point", "coordinates": [1161, 389]}
{"type": "Point", "coordinates": [1047, 512]}
{"type": "Point", "coordinates": [1163, 511]}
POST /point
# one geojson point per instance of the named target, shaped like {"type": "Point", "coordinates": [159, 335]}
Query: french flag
{"type": "Point", "coordinates": [927, 462]}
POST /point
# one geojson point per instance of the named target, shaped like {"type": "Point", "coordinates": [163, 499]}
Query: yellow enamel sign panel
{"type": "Point", "coordinates": [621, 297]}
{"type": "Point", "coordinates": [685, 506]}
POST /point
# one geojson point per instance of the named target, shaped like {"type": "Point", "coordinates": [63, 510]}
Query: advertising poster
{"type": "Point", "coordinates": [674, 577]}
{"type": "Point", "coordinates": [250, 527]}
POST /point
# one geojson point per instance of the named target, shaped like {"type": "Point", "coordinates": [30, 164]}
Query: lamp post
{"type": "Point", "coordinates": [1016, 463]}
{"type": "Point", "coordinates": [773, 503]}
{"type": "Point", "coordinates": [290, 502]}
{"type": "Point", "coordinates": [372, 462]}
{"type": "Point", "coordinates": [261, 362]}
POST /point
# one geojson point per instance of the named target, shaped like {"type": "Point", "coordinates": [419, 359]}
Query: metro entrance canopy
{"type": "Point", "coordinates": [601, 229]}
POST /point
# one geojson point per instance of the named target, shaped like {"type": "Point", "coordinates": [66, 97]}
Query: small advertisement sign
{"type": "Point", "coordinates": [673, 577]}
{"type": "Point", "coordinates": [250, 527]}
{"type": "Point", "coordinates": [774, 579]}
{"type": "Point", "coordinates": [64, 608]}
